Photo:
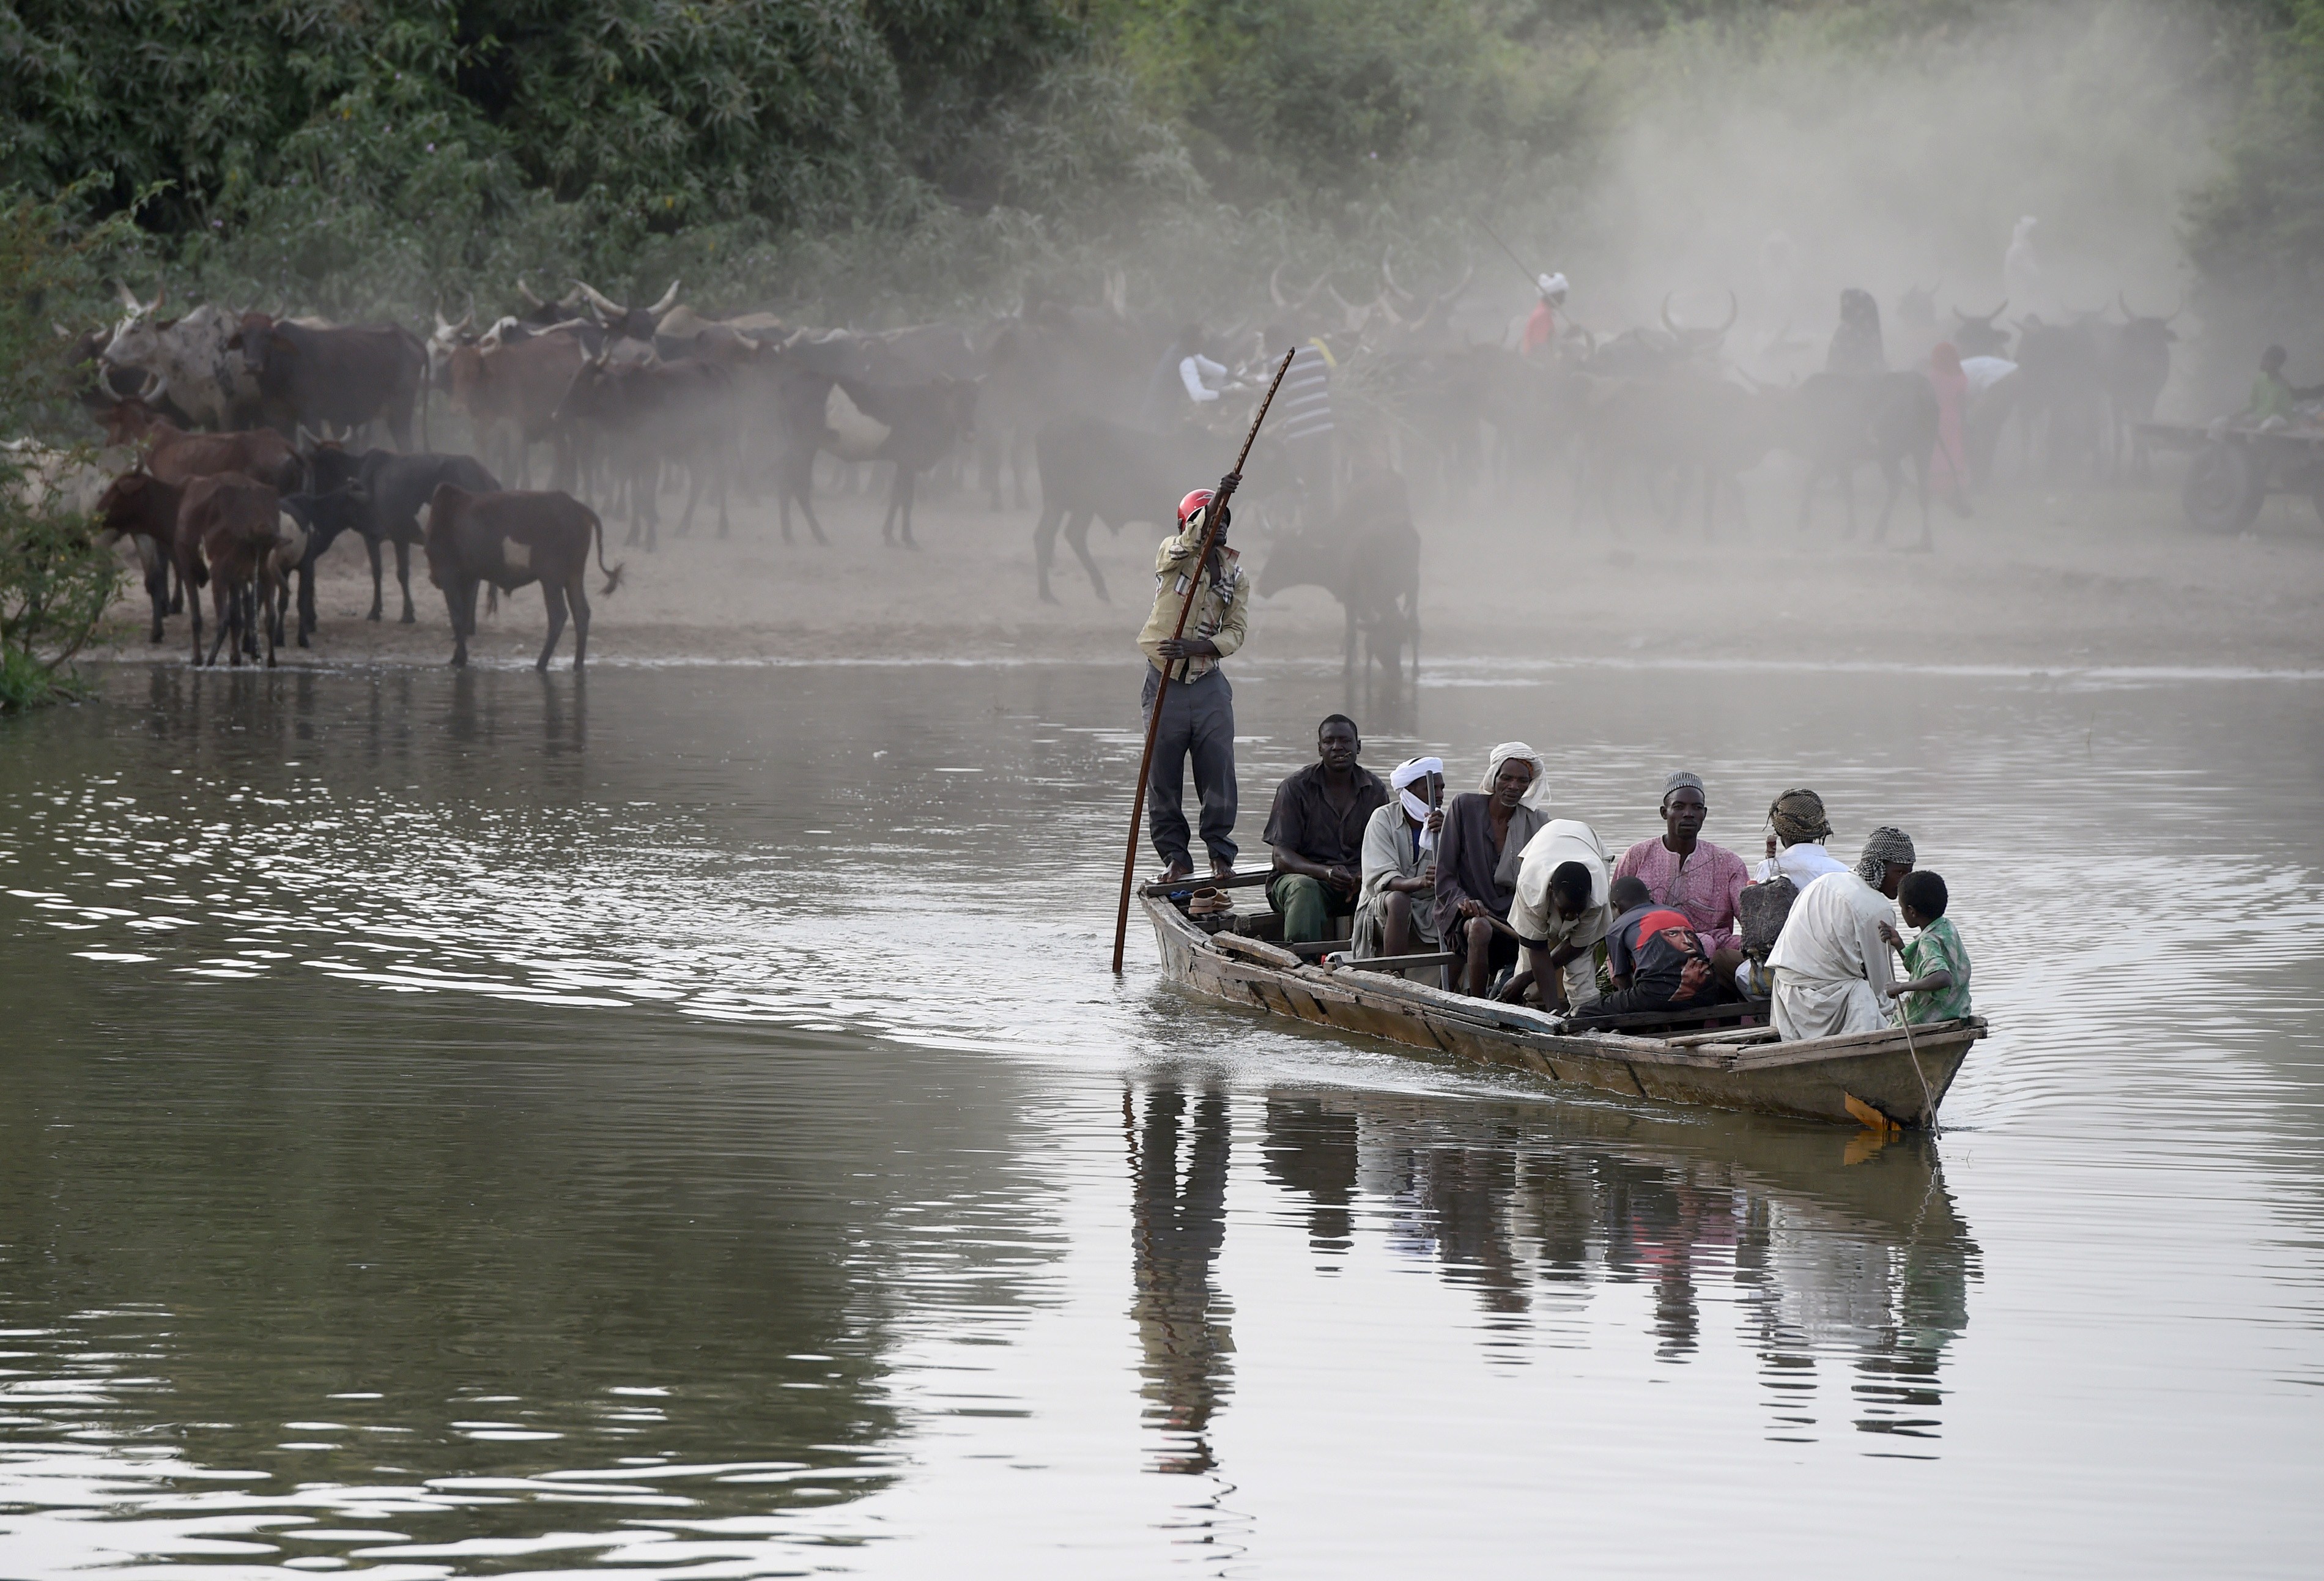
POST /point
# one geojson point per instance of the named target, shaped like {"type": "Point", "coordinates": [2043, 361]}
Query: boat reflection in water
{"type": "Point", "coordinates": [1825, 1249]}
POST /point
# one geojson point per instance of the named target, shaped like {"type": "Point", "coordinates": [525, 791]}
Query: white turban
{"type": "Point", "coordinates": [1551, 285]}
{"type": "Point", "coordinates": [1412, 769]}
{"type": "Point", "coordinates": [1405, 774]}
{"type": "Point", "coordinates": [1537, 793]}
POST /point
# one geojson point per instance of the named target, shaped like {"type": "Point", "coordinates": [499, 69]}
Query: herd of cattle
{"type": "Point", "coordinates": [240, 430]}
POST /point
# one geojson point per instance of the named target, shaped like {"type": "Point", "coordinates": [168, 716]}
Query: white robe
{"type": "Point", "coordinates": [1534, 912]}
{"type": "Point", "coordinates": [1830, 962]}
{"type": "Point", "coordinates": [1802, 864]}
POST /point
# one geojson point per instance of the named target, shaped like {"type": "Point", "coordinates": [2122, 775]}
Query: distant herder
{"type": "Point", "coordinates": [1198, 713]}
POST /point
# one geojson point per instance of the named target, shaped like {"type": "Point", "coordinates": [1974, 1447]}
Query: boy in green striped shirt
{"type": "Point", "coordinates": [1936, 963]}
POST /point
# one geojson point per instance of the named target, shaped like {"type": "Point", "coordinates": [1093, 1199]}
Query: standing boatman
{"type": "Point", "coordinates": [1198, 712]}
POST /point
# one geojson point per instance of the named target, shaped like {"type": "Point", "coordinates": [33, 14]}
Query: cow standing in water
{"type": "Point", "coordinates": [507, 539]}
{"type": "Point", "coordinates": [236, 526]}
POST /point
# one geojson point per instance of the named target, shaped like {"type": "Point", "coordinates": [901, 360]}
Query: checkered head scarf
{"type": "Point", "coordinates": [1884, 845]}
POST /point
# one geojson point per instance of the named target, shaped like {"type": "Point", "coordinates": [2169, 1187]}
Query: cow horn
{"type": "Point", "coordinates": [159, 292]}
{"type": "Point", "coordinates": [307, 441]}
{"type": "Point", "coordinates": [1468, 273]}
{"type": "Point", "coordinates": [469, 321]}
{"type": "Point", "coordinates": [150, 389]}
{"type": "Point", "coordinates": [599, 299]}
{"type": "Point", "coordinates": [1388, 274]}
{"type": "Point", "coordinates": [126, 297]}
{"type": "Point", "coordinates": [1666, 318]}
{"type": "Point", "coordinates": [1382, 303]}
{"type": "Point", "coordinates": [668, 300]}
{"type": "Point", "coordinates": [443, 325]}
{"type": "Point", "coordinates": [1275, 285]}
{"type": "Point", "coordinates": [525, 292]}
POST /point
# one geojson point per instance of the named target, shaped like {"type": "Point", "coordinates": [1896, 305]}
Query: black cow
{"type": "Point", "coordinates": [1370, 560]}
{"type": "Point", "coordinates": [2135, 364]}
{"type": "Point", "coordinates": [2061, 399]}
{"type": "Point", "coordinates": [1839, 421]}
{"type": "Point", "coordinates": [324, 517]}
{"type": "Point", "coordinates": [655, 412]}
{"type": "Point", "coordinates": [1094, 469]}
{"type": "Point", "coordinates": [393, 489]}
{"type": "Point", "coordinates": [324, 378]}
{"type": "Point", "coordinates": [507, 539]}
{"type": "Point", "coordinates": [859, 418]}
{"type": "Point", "coordinates": [1980, 334]}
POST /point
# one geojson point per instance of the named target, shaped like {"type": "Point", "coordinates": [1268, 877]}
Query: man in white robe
{"type": "Point", "coordinates": [1562, 913]}
{"type": "Point", "coordinates": [1830, 962]}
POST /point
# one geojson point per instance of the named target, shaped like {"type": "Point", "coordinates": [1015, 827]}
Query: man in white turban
{"type": "Point", "coordinates": [1562, 913]}
{"type": "Point", "coordinates": [1396, 904]}
{"type": "Point", "coordinates": [1478, 855]}
{"type": "Point", "coordinates": [1830, 962]}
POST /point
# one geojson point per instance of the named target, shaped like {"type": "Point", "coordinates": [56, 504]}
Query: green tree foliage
{"type": "Point", "coordinates": [55, 581]}
{"type": "Point", "coordinates": [2258, 231]}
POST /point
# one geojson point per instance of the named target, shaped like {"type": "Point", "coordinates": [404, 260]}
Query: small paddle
{"type": "Point", "coordinates": [1214, 514]}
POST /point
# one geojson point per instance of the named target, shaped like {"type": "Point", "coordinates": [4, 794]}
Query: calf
{"type": "Point", "coordinates": [235, 524]}
{"type": "Point", "coordinates": [507, 539]}
{"type": "Point", "coordinates": [142, 507]}
{"type": "Point", "coordinates": [392, 488]}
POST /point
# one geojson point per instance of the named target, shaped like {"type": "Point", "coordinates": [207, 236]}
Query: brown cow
{"type": "Point", "coordinates": [175, 456]}
{"type": "Point", "coordinates": [139, 505]}
{"type": "Point", "coordinates": [507, 539]}
{"type": "Point", "coordinates": [516, 387]}
{"type": "Point", "coordinates": [236, 524]}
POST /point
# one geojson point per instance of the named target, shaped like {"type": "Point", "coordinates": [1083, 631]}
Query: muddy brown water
{"type": "Point", "coordinates": [678, 1123]}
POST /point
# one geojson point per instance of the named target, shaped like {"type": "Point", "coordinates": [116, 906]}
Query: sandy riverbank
{"type": "Point", "coordinates": [2068, 579]}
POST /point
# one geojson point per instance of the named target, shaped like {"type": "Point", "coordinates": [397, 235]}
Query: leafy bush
{"type": "Point", "coordinates": [55, 582]}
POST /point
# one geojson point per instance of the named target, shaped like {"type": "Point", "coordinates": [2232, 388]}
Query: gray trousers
{"type": "Point", "coordinates": [1197, 719]}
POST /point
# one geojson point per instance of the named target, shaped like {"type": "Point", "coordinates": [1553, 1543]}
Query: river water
{"type": "Point", "coordinates": [681, 1123]}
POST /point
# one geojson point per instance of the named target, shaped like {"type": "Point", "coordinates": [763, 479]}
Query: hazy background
{"type": "Point", "coordinates": [891, 160]}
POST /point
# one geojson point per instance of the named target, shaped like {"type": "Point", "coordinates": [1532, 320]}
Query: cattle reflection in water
{"type": "Point", "coordinates": [1178, 1188]}
{"type": "Point", "coordinates": [1829, 1244]}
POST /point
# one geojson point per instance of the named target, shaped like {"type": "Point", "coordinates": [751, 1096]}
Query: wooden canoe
{"type": "Point", "coordinates": [1860, 1078]}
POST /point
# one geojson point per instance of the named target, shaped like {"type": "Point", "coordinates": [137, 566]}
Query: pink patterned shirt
{"type": "Point", "coordinates": [1706, 886]}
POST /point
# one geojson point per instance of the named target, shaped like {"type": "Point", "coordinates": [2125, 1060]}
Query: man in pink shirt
{"type": "Point", "coordinates": [1683, 871]}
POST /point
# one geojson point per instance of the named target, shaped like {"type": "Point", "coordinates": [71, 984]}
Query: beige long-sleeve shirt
{"type": "Point", "coordinates": [1220, 612]}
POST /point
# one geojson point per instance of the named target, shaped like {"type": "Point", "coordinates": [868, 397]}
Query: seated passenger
{"type": "Point", "coordinates": [1655, 957]}
{"type": "Point", "coordinates": [1396, 904]}
{"type": "Point", "coordinates": [1936, 959]}
{"type": "Point", "coordinates": [1562, 913]}
{"type": "Point", "coordinates": [1317, 830]}
{"type": "Point", "coordinates": [1797, 831]}
{"type": "Point", "coordinates": [1477, 858]}
{"type": "Point", "coordinates": [1683, 871]}
{"type": "Point", "coordinates": [1831, 962]}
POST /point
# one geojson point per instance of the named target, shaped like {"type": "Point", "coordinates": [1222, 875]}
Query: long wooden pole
{"type": "Point", "coordinates": [1214, 517]}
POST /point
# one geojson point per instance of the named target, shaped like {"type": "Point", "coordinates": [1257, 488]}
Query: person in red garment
{"type": "Point", "coordinates": [1541, 329]}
